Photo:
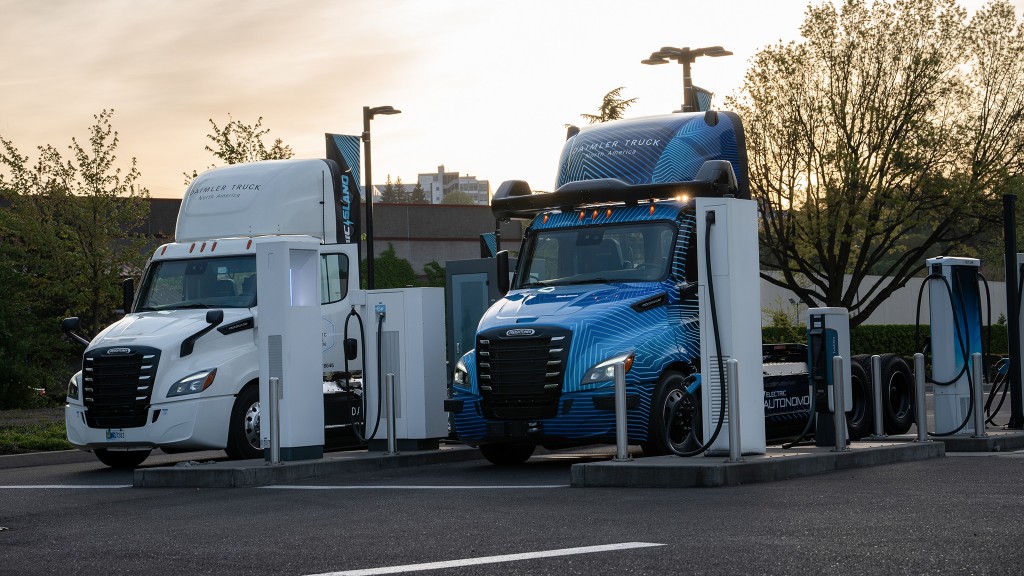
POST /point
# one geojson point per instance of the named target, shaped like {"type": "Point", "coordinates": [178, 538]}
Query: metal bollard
{"type": "Point", "coordinates": [274, 420]}
{"type": "Point", "coordinates": [621, 432]}
{"type": "Point", "coordinates": [733, 377]}
{"type": "Point", "coordinates": [389, 404]}
{"type": "Point", "coordinates": [839, 411]}
{"type": "Point", "coordinates": [876, 391]}
{"type": "Point", "coordinates": [979, 395]}
{"type": "Point", "coordinates": [922, 406]}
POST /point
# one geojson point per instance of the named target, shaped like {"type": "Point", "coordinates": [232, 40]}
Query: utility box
{"type": "Point", "coordinates": [955, 336]}
{"type": "Point", "coordinates": [828, 336]}
{"type": "Point", "coordinates": [737, 292]}
{"type": "Point", "coordinates": [288, 284]}
{"type": "Point", "coordinates": [471, 286]}
{"type": "Point", "coordinates": [408, 324]}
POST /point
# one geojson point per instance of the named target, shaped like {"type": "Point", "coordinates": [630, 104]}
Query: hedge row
{"type": "Point", "coordinates": [883, 338]}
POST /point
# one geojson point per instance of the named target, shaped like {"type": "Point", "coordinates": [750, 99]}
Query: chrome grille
{"type": "Point", "coordinates": [117, 385]}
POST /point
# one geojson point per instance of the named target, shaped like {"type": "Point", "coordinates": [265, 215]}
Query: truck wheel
{"type": "Point", "coordinates": [244, 428]}
{"type": "Point", "coordinates": [860, 415]}
{"type": "Point", "coordinates": [507, 454]}
{"type": "Point", "coordinates": [897, 395]}
{"type": "Point", "coordinates": [673, 406]}
{"type": "Point", "coordinates": [121, 459]}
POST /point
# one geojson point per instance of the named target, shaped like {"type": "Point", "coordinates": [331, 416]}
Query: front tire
{"type": "Point", "coordinates": [507, 454]}
{"type": "Point", "coordinates": [122, 459]}
{"type": "Point", "coordinates": [676, 410]}
{"type": "Point", "coordinates": [244, 427]}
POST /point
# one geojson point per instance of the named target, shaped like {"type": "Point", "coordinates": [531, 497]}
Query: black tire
{"type": "Point", "coordinates": [674, 406]}
{"type": "Point", "coordinates": [244, 427]}
{"type": "Point", "coordinates": [122, 459]}
{"type": "Point", "coordinates": [507, 454]}
{"type": "Point", "coordinates": [897, 395]}
{"type": "Point", "coordinates": [860, 417]}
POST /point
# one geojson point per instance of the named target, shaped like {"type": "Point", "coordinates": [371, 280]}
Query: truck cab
{"type": "Point", "coordinates": [180, 370]}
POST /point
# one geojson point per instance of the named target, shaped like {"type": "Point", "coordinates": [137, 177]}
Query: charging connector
{"type": "Point", "coordinates": [380, 309]}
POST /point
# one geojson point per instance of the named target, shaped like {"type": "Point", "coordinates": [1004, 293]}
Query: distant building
{"type": "Point", "coordinates": [439, 184]}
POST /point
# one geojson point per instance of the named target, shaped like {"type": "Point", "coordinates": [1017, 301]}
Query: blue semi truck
{"type": "Point", "coordinates": [607, 273]}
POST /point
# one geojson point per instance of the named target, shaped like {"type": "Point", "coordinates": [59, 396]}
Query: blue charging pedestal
{"type": "Point", "coordinates": [288, 285]}
{"type": "Point", "coordinates": [828, 335]}
{"type": "Point", "coordinates": [955, 336]}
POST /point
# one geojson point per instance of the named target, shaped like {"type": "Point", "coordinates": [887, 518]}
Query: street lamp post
{"type": "Point", "coordinates": [368, 114]}
{"type": "Point", "coordinates": [685, 56]}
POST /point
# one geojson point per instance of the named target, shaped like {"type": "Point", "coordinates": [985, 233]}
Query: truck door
{"type": "Point", "coordinates": [339, 277]}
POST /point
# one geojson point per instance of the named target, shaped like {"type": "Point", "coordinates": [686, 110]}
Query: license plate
{"type": "Point", "coordinates": [115, 435]}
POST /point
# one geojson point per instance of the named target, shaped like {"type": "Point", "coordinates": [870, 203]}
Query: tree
{"type": "Point", "coordinates": [65, 246]}
{"type": "Point", "coordinates": [392, 193]}
{"type": "Point", "coordinates": [457, 197]}
{"type": "Point", "coordinates": [418, 195]}
{"type": "Point", "coordinates": [389, 271]}
{"type": "Point", "coordinates": [237, 142]}
{"type": "Point", "coordinates": [880, 139]}
{"type": "Point", "coordinates": [613, 107]}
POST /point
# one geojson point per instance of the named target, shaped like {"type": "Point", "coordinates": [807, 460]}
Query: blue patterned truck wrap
{"type": "Point", "coordinates": [655, 150]}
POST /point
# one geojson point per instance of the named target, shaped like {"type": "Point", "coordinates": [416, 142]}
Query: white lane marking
{"type": "Point", "coordinates": [66, 487]}
{"type": "Point", "coordinates": [491, 559]}
{"type": "Point", "coordinates": [408, 487]}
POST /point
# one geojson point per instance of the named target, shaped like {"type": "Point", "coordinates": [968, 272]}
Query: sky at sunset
{"type": "Point", "coordinates": [485, 87]}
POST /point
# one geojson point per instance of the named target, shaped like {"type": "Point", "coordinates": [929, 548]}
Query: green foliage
{"type": "Point", "coordinates": [237, 142]}
{"type": "Point", "coordinates": [390, 271]}
{"type": "Point", "coordinates": [902, 339]}
{"type": "Point", "coordinates": [882, 137]}
{"type": "Point", "coordinates": [64, 252]}
{"type": "Point", "coordinates": [435, 274]}
{"type": "Point", "coordinates": [457, 197]}
{"type": "Point", "coordinates": [33, 437]}
{"type": "Point", "coordinates": [418, 195]}
{"type": "Point", "coordinates": [394, 192]}
{"type": "Point", "coordinates": [613, 107]}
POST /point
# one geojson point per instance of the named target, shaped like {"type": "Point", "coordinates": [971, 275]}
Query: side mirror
{"type": "Point", "coordinates": [214, 317]}
{"type": "Point", "coordinates": [72, 325]}
{"type": "Point", "coordinates": [128, 294]}
{"type": "Point", "coordinates": [502, 262]}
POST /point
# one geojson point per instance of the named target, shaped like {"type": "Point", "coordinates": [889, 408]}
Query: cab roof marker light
{"type": "Point", "coordinates": [202, 247]}
{"type": "Point", "coordinates": [214, 247]}
{"type": "Point", "coordinates": [248, 244]}
{"type": "Point", "coordinates": [192, 247]}
{"type": "Point", "coordinates": [581, 216]}
{"type": "Point", "coordinates": [163, 250]}
{"type": "Point", "coordinates": [594, 215]}
{"type": "Point", "coordinates": [546, 216]}
{"type": "Point", "coordinates": [608, 213]}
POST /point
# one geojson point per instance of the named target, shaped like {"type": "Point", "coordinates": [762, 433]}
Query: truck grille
{"type": "Point", "coordinates": [117, 384]}
{"type": "Point", "coordinates": [520, 371]}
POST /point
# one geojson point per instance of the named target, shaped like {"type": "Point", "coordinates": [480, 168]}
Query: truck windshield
{"type": "Point", "coordinates": [636, 252]}
{"type": "Point", "coordinates": [222, 282]}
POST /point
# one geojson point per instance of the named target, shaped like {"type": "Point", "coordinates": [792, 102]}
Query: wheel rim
{"type": "Point", "coordinates": [251, 422]}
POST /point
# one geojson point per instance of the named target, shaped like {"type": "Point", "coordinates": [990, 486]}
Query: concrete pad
{"type": "Point", "coordinates": [776, 464]}
{"type": "Point", "coordinates": [250, 473]}
{"type": "Point", "coordinates": [993, 441]}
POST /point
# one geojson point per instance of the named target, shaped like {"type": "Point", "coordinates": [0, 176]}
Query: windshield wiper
{"type": "Point", "coordinates": [191, 306]}
{"type": "Point", "coordinates": [586, 281]}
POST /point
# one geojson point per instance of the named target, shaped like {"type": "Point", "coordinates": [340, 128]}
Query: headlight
{"type": "Point", "coordinates": [461, 376]}
{"type": "Point", "coordinates": [605, 371]}
{"type": "Point", "coordinates": [73, 387]}
{"type": "Point", "coordinates": [193, 384]}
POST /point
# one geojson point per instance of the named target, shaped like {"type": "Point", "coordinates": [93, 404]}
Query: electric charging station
{"type": "Point", "coordinates": [955, 335]}
{"type": "Point", "coordinates": [828, 335]}
{"type": "Point", "coordinates": [735, 273]}
{"type": "Point", "coordinates": [288, 284]}
{"type": "Point", "coordinates": [408, 324]}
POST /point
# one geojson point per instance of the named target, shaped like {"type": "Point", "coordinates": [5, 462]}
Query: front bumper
{"type": "Point", "coordinates": [197, 423]}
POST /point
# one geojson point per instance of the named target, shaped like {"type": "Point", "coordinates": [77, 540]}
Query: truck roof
{"type": "Point", "coordinates": [271, 197]}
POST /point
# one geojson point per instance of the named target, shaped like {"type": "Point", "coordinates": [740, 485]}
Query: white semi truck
{"type": "Point", "coordinates": [180, 370]}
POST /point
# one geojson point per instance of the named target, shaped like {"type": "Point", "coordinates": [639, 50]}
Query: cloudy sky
{"type": "Point", "coordinates": [485, 87]}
